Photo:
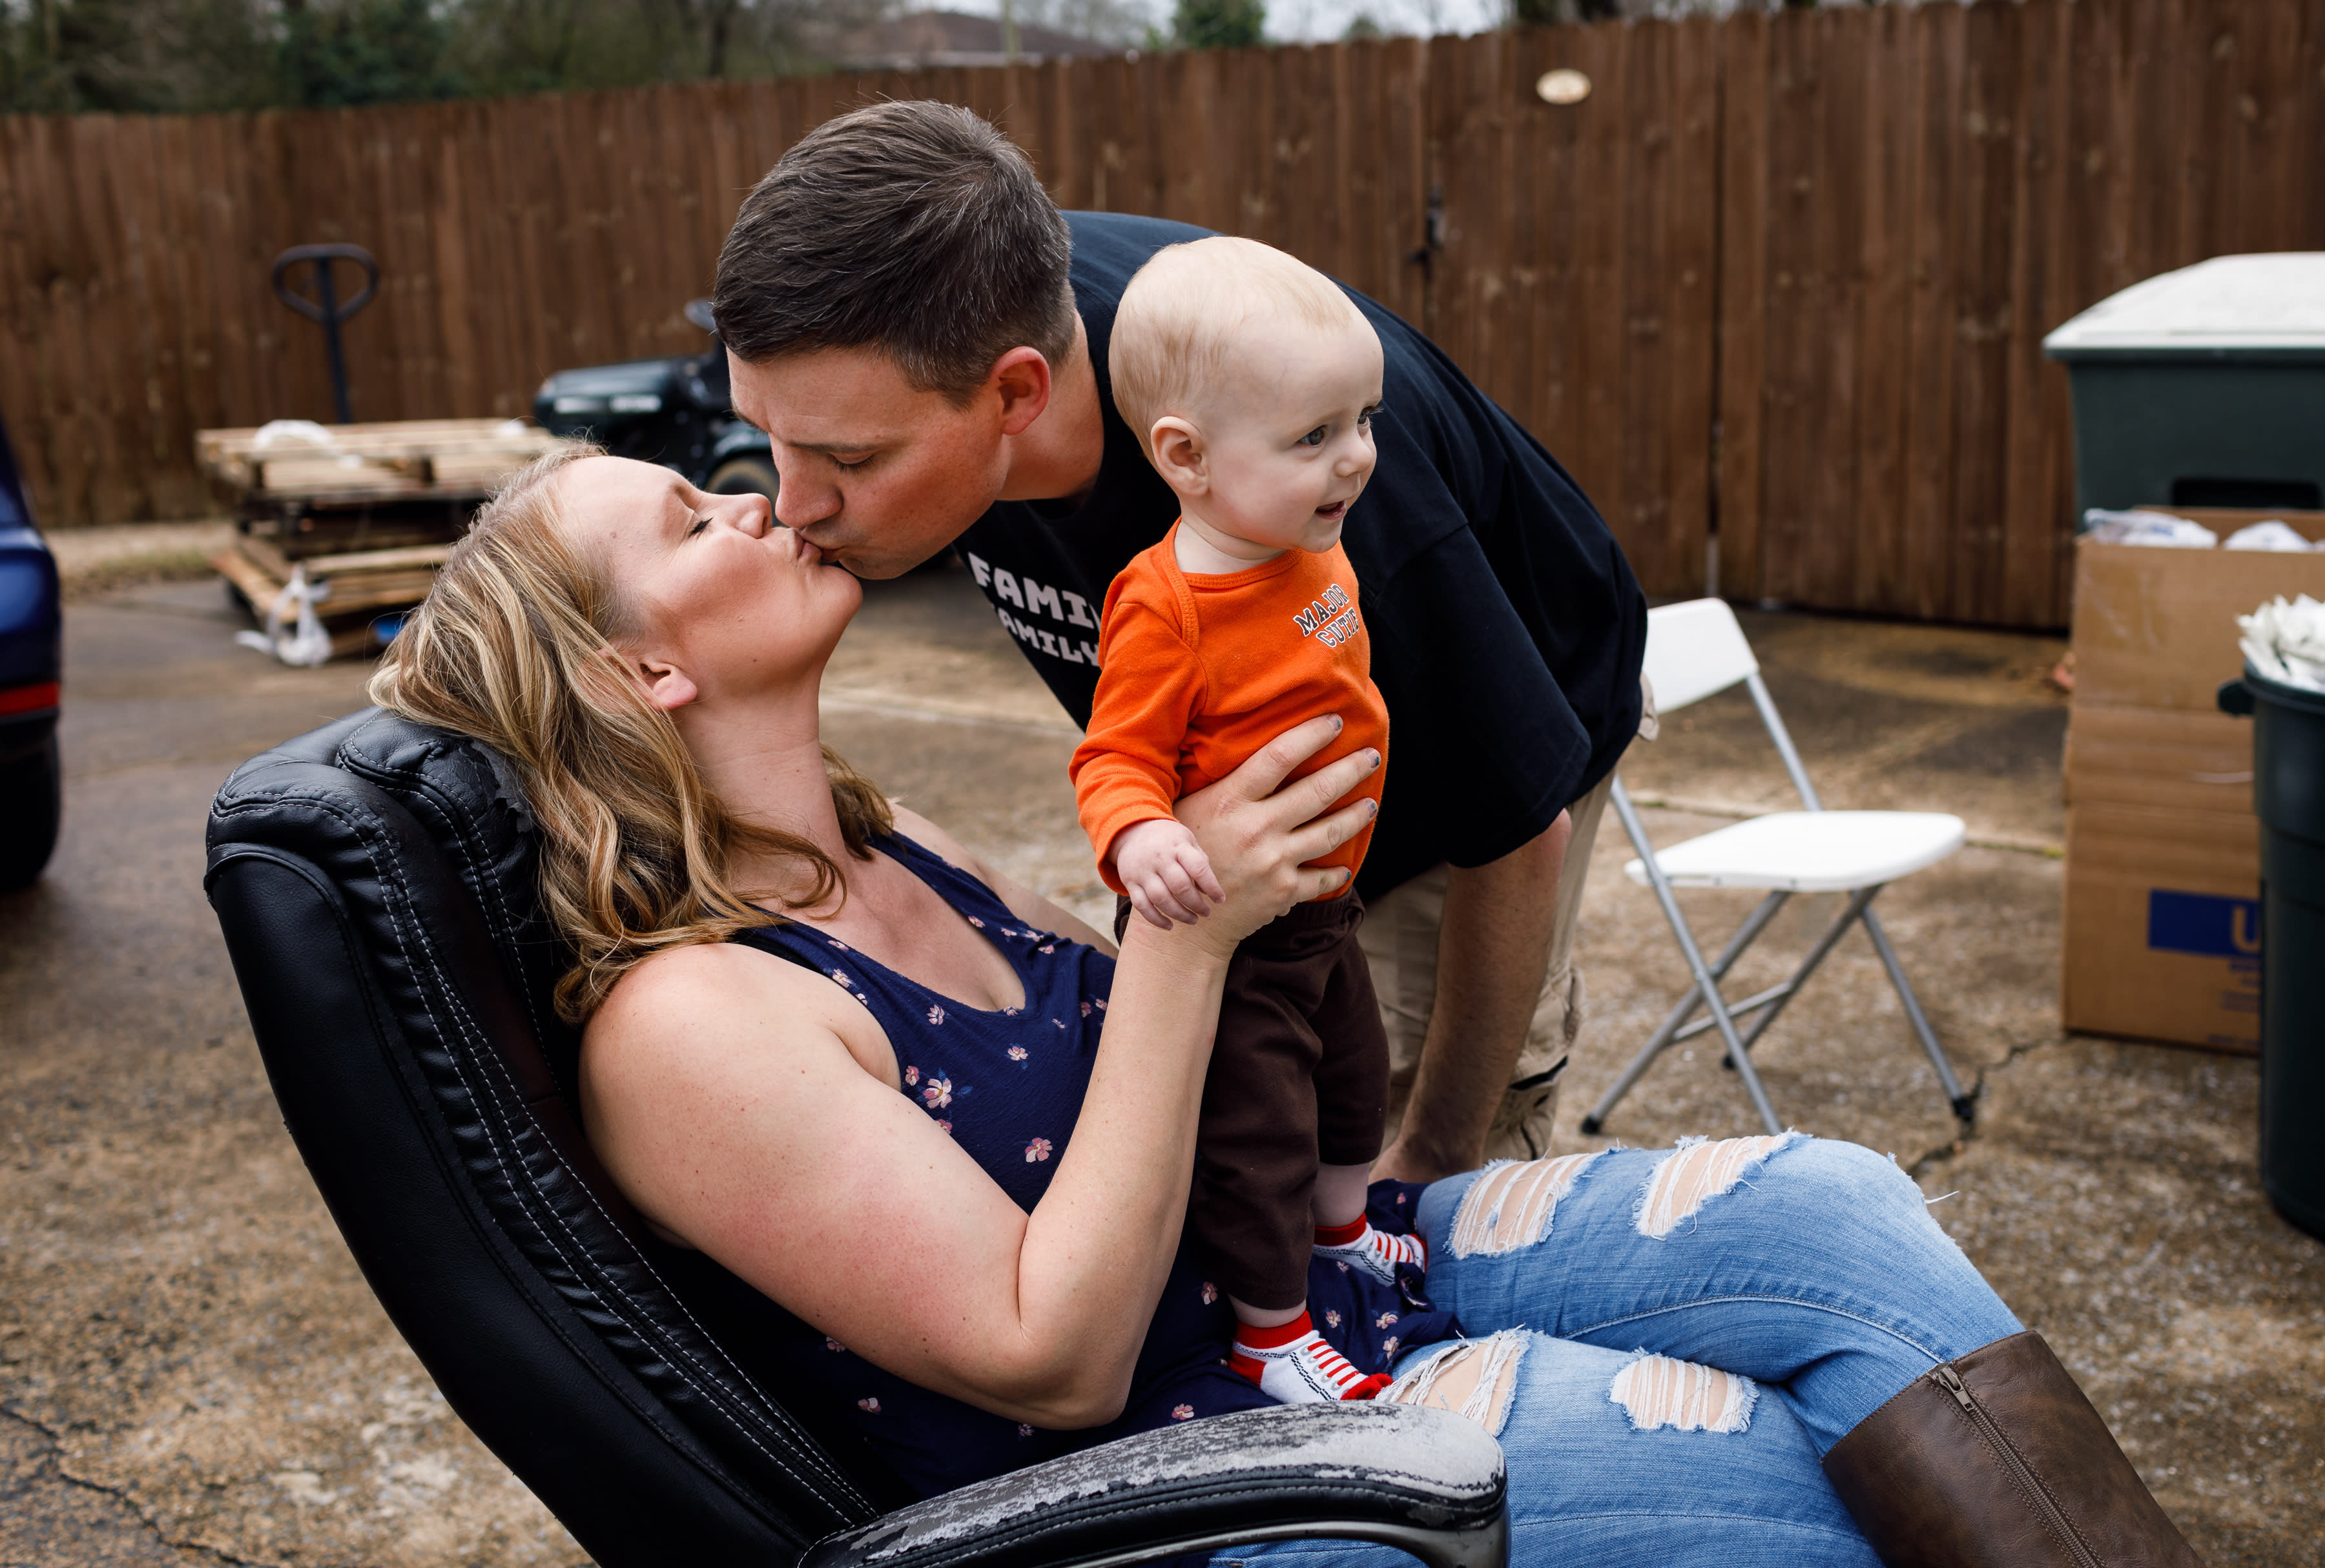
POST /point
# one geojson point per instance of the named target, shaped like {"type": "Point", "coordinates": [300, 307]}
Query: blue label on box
{"type": "Point", "coordinates": [2203, 922]}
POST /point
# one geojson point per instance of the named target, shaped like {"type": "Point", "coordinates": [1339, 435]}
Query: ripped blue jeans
{"type": "Point", "coordinates": [1667, 1340]}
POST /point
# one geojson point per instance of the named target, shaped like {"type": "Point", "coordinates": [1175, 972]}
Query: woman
{"type": "Point", "coordinates": [934, 1116]}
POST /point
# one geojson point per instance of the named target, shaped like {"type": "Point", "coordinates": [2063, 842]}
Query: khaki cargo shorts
{"type": "Point", "coordinates": [1399, 937]}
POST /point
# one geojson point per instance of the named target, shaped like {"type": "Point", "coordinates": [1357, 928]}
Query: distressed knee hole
{"type": "Point", "coordinates": [1697, 1171]}
{"type": "Point", "coordinates": [1511, 1206]}
{"type": "Point", "coordinates": [1658, 1391]}
{"type": "Point", "coordinates": [1474, 1378]}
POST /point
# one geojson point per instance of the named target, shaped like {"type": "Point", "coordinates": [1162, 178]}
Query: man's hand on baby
{"type": "Point", "coordinates": [1167, 873]}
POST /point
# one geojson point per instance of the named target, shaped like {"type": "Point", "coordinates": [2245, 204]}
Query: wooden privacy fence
{"type": "Point", "coordinates": [1780, 279]}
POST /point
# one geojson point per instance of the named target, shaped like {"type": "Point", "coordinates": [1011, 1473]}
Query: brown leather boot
{"type": "Point", "coordinates": [1995, 1460]}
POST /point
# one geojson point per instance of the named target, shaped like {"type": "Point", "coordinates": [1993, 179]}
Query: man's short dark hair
{"type": "Point", "coordinates": [915, 227]}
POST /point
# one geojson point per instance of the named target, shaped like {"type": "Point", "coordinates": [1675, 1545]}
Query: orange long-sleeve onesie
{"type": "Point", "coordinates": [1197, 673]}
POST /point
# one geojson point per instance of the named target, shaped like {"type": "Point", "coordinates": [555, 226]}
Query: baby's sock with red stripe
{"type": "Point", "coordinates": [1358, 1246]}
{"type": "Point", "coordinates": [1293, 1365]}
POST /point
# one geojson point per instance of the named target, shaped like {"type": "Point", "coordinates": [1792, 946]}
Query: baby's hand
{"type": "Point", "coordinates": [1168, 875]}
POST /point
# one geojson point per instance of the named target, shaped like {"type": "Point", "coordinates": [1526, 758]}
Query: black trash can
{"type": "Point", "coordinates": [2289, 796]}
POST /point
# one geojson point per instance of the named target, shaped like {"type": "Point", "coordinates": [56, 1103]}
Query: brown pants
{"type": "Point", "coordinates": [1299, 1077]}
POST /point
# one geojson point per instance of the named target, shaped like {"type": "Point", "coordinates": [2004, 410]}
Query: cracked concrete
{"type": "Point", "coordinates": [193, 1372]}
{"type": "Point", "coordinates": [49, 1516]}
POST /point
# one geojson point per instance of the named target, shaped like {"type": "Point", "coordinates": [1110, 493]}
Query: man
{"type": "Point", "coordinates": [923, 337]}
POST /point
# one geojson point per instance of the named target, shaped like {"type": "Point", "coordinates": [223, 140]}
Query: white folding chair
{"type": "Point", "coordinates": [1695, 650]}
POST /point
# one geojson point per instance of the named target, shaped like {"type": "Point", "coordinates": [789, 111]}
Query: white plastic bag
{"type": "Point", "coordinates": [291, 432]}
{"type": "Point", "coordinates": [305, 642]}
{"type": "Point", "coordinates": [2142, 527]}
{"type": "Point", "coordinates": [2269, 534]}
{"type": "Point", "coordinates": [2286, 642]}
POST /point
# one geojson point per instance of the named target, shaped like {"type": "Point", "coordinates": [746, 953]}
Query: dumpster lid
{"type": "Point", "coordinates": [2260, 307]}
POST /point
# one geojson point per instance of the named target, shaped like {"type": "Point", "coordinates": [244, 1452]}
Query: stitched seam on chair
{"type": "Point", "coordinates": [603, 1281]}
{"type": "Point", "coordinates": [381, 840]}
{"type": "Point", "coordinates": [357, 824]}
{"type": "Point", "coordinates": [493, 1065]}
{"type": "Point", "coordinates": [468, 843]}
{"type": "Point", "coordinates": [1902, 1338]}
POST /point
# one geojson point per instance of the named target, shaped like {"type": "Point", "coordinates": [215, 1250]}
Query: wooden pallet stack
{"type": "Point", "coordinates": [353, 519]}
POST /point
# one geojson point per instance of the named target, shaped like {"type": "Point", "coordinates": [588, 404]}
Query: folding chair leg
{"type": "Point", "coordinates": [1705, 986]}
{"type": "Point", "coordinates": [1855, 909]}
{"type": "Point", "coordinates": [1667, 1032]}
{"type": "Point", "coordinates": [1964, 1108]}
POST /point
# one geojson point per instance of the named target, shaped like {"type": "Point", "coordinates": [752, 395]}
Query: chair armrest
{"type": "Point", "coordinates": [1425, 1481]}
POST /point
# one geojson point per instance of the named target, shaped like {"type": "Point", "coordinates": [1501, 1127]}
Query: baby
{"type": "Point", "coordinates": [1253, 381]}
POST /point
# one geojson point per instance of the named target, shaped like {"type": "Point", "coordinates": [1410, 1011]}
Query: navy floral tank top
{"type": "Point", "coordinates": [1008, 1087]}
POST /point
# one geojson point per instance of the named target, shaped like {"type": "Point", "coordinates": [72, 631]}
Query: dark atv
{"type": "Point", "coordinates": [671, 411]}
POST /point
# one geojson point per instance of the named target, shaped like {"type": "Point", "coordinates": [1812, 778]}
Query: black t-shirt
{"type": "Point", "coordinates": [1506, 627]}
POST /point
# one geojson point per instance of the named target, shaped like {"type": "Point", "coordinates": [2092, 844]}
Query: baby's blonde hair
{"type": "Point", "coordinates": [1184, 311]}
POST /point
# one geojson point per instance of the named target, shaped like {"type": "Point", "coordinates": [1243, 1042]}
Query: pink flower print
{"type": "Point", "coordinates": [1331, 1319]}
{"type": "Point", "coordinates": [1023, 1430]}
{"type": "Point", "coordinates": [1182, 1413]}
{"type": "Point", "coordinates": [912, 1075]}
{"type": "Point", "coordinates": [944, 1127]}
{"type": "Point", "coordinates": [1210, 1293]}
{"type": "Point", "coordinates": [1388, 1346]}
{"type": "Point", "coordinates": [1047, 947]}
{"type": "Point", "coordinates": [1343, 1268]}
{"type": "Point", "coordinates": [1060, 1023]}
{"type": "Point", "coordinates": [837, 943]}
{"type": "Point", "coordinates": [1038, 1149]}
{"type": "Point", "coordinates": [1011, 1012]}
{"type": "Point", "coordinates": [1016, 1054]}
{"type": "Point", "coordinates": [834, 1345]}
{"type": "Point", "coordinates": [1384, 1321]}
{"type": "Point", "coordinates": [938, 1091]}
{"type": "Point", "coordinates": [1400, 1197]}
{"type": "Point", "coordinates": [1102, 1004]}
{"type": "Point", "coordinates": [1086, 1009]}
{"type": "Point", "coordinates": [841, 976]}
{"type": "Point", "coordinates": [936, 1015]}
{"type": "Point", "coordinates": [869, 1406]}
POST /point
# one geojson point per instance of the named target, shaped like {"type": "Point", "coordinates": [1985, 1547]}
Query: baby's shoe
{"type": "Point", "coordinates": [1293, 1365]}
{"type": "Point", "coordinates": [1358, 1246]}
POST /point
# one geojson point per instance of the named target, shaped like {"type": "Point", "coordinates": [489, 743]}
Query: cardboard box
{"type": "Point", "coordinates": [2161, 920]}
{"type": "Point", "coordinates": [2160, 757]}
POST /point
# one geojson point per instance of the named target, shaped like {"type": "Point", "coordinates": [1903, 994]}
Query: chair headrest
{"type": "Point", "coordinates": [468, 800]}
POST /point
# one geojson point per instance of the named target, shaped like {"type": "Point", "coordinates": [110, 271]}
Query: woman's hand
{"type": "Point", "coordinates": [1261, 833]}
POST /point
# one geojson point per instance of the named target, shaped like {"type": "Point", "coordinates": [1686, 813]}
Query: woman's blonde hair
{"type": "Point", "coordinates": [516, 647]}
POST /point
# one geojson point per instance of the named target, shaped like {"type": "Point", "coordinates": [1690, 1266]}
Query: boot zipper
{"type": "Point", "coordinates": [2024, 1478]}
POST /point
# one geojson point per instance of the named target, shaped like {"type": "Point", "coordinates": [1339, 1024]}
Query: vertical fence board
{"type": "Point", "coordinates": [1741, 415]}
{"type": "Point", "coordinates": [1879, 573]}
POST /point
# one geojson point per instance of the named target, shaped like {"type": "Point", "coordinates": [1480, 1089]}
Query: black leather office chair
{"type": "Point", "coordinates": [375, 882]}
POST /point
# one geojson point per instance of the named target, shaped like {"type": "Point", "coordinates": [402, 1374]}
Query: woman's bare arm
{"type": "Point", "coordinates": [751, 1108]}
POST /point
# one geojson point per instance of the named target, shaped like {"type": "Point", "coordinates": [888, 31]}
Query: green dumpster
{"type": "Point", "coordinates": [2202, 387]}
{"type": "Point", "coordinates": [2288, 797]}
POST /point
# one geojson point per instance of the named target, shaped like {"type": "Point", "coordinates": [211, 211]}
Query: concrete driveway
{"type": "Point", "coordinates": [191, 1370]}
